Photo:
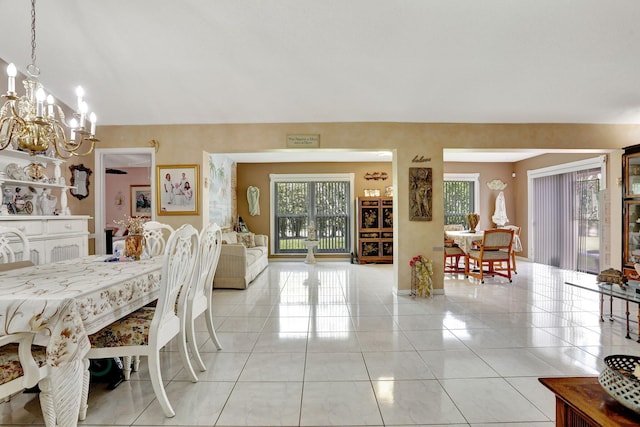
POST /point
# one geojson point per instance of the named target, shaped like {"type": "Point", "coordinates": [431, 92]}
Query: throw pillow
{"type": "Point", "coordinates": [230, 237]}
{"type": "Point", "coordinates": [247, 239]}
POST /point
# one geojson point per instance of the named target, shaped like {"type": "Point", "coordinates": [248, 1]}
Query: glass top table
{"type": "Point", "coordinates": [628, 293]}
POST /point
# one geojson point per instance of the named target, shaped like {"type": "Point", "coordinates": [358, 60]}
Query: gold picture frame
{"type": "Point", "coordinates": [177, 189]}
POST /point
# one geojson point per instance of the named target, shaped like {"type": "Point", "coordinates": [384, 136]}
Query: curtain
{"type": "Point", "coordinates": [566, 220]}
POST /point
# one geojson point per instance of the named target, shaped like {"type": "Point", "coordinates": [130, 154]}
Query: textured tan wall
{"type": "Point", "coordinates": [184, 144]}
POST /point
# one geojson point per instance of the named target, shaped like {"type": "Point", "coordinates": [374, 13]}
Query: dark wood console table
{"type": "Point", "coordinates": [582, 402]}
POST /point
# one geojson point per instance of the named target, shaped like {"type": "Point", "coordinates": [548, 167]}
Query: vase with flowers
{"type": "Point", "coordinates": [134, 242]}
{"type": "Point", "coordinates": [421, 276]}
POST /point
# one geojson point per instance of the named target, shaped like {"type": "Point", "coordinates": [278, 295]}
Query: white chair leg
{"type": "Point", "coordinates": [126, 362]}
{"type": "Point", "coordinates": [184, 352]}
{"type": "Point", "coordinates": [212, 329]}
{"type": "Point", "coordinates": [193, 344]}
{"type": "Point", "coordinates": [158, 387]}
{"type": "Point", "coordinates": [136, 364]}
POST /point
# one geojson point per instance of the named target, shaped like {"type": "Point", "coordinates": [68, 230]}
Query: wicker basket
{"type": "Point", "coordinates": [618, 380]}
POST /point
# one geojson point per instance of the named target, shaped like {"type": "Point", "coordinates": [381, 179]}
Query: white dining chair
{"type": "Point", "coordinates": [146, 331]}
{"type": "Point", "coordinates": [156, 235]}
{"type": "Point", "coordinates": [200, 299]}
{"type": "Point", "coordinates": [20, 368]}
{"type": "Point", "coordinates": [14, 246]}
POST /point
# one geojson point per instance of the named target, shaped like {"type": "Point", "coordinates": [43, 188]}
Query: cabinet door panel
{"type": "Point", "coordinates": [632, 175]}
{"type": "Point", "coordinates": [632, 231]}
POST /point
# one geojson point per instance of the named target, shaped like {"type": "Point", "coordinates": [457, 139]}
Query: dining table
{"type": "Point", "coordinates": [464, 239]}
{"type": "Point", "coordinates": [61, 304]}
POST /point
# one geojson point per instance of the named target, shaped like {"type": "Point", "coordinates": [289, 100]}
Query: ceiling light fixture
{"type": "Point", "coordinates": [26, 124]}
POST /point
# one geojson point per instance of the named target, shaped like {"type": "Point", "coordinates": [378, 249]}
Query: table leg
{"type": "Point", "coordinates": [611, 308]}
{"type": "Point", "coordinates": [602, 307]}
{"type": "Point", "coordinates": [627, 313]}
{"type": "Point", "coordinates": [61, 393]}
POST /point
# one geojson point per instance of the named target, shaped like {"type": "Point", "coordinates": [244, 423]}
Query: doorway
{"type": "Point", "coordinates": [120, 161]}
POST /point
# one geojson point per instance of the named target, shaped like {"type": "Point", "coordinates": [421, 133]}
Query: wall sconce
{"type": "Point", "coordinates": [513, 174]}
{"type": "Point", "coordinates": [118, 199]}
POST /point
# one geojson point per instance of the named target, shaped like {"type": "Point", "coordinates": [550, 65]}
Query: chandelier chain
{"type": "Point", "coordinates": [33, 32]}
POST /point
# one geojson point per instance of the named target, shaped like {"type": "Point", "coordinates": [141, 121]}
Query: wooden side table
{"type": "Point", "coordinates": [582, 402]}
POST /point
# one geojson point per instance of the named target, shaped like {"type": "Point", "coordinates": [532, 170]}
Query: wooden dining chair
{"type": "Point", "coordinates": [14, 246]}
{"type": "Point", "coordinates": [155, 235]}
{"type": "Point", "coordinates": [200, 299]}
{"type": "Point", "coordinates": [494, 249]}
{"type": "Point", "coordinates": [146, 331]}
{"type": "Point", "coordinates": [452, 252]}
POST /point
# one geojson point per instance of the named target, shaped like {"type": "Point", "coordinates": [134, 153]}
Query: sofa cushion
{"type": "Point", "coordinates": [230, 237]}
{"type": "Point", "coordinates": [247, 239]}
{"type": "Point", "coordinates": [253, 254]}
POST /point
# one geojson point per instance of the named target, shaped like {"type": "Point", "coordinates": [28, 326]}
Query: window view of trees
{"type": "Point", "coordinates": [458, 201]}
{"type": "Point", "coordinates": [326, 204]}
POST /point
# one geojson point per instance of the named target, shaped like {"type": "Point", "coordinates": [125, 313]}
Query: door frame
{"type": "Point", "coordinates": [100, 189]}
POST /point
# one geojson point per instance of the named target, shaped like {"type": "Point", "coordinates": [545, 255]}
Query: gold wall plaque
{"type": "Point", "coordinates": [303, 141]}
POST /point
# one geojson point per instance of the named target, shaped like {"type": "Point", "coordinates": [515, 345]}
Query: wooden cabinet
{"type": "Point", "coordinates": [52, 238]}
{"type": "Point", "coordinates": [583, 402]}
{"type": "Point", "coordinates": [631, 210]}
{"type": "Point", "coordinates": [375, 229]}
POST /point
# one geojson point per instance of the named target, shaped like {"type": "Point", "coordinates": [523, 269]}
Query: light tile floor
{"type": "Point", "coordinates": [333, 344]}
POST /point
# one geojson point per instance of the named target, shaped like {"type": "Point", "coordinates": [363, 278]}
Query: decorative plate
{"type": "Point", "coordinates": [496, 184]}
{"type": "Point", "coordinates": [14, 171]}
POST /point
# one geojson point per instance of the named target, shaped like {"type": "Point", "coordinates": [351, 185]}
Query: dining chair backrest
{"type": "Point", "coordinates": [14, 246]}
{"type": "Point", "coordinates": [155, 235]}
{"type": "Point", "coordinates": [180, 257]}
{"type": "Point", "coordinates": [205, 269]}
{"type": "Point", "coordinates": [497, 239]}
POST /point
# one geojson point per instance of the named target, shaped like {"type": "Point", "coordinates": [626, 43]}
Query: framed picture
{"type": "Point", "coordinates": [140, 200]}
{"type": "Point", "coordinates": [177, 189]}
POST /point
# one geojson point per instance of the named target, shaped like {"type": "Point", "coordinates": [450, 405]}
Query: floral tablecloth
{"type": "Point", "coordinates": [64, 301]}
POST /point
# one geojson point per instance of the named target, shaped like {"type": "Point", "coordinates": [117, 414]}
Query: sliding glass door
{"type": "Point", "coordinates": [565, 218]}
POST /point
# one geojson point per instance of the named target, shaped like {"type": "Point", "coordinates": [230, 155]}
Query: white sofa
{"type": "Point", "coordinates": [239, 264]}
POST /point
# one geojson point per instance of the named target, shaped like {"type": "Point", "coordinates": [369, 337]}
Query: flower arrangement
{"type": "Point", "coordinates": [133, 224]}
{"type": "Point", "coordinates": [421, 273]}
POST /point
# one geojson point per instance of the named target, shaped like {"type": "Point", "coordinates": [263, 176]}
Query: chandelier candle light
{"type": "Point", "coordinates": [26, 125]}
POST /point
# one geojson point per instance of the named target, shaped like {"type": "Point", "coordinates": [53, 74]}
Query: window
{"type": "Point", "coordinates": [461, 196]}
{"type": "Point", "coordinates": [300, 201]}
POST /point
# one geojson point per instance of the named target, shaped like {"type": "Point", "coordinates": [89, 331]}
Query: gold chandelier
{"type": "Point", "coordinates": [27, 124]}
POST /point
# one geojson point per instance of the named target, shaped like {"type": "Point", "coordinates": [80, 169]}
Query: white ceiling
{"type": "Point", "coordinates": [257, 61]}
